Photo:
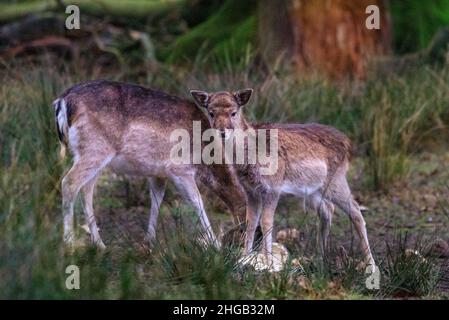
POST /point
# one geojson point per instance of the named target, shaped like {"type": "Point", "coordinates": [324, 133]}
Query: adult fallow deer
{"type": "Point", "coordinates": [312, 164]}
{"type": "Point", "coordinates": [127, 128]}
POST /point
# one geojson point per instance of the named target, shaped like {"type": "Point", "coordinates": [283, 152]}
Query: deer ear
{"type": "Point", "coordinates": [201, 98]}
{"type": "Point", "coordinates": [242, 96]}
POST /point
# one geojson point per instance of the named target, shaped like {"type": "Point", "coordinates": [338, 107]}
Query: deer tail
{"type": "Point", "coordinates": [62, 127]}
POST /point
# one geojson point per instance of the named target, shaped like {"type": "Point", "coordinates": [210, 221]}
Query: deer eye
{"type": "Point", "coordinates": [211, 114]}
{"type": "Point", "coordinates": [233, 114]}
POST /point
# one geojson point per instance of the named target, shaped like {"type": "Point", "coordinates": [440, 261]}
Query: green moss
{"type": "Point", "coordinates": [138, 9]}
{"type": "Point", "coordinates": [10, 12]}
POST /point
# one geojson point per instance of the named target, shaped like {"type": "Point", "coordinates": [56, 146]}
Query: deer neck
{"type": "Point", "coordinates": [246, 169]}
{"type": "Point", "coordinates": [245, 124]}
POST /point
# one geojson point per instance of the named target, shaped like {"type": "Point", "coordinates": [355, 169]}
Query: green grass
{"type": "Point", "coordinates": [408, 272]}
{"type": "Point", "coordinates": [390, 120]}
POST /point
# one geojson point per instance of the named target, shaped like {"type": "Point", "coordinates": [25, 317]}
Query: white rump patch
{"type": "Point", "coordinates": [62, 115]}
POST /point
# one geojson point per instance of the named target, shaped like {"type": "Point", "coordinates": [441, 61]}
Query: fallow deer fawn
{"type": "Point", "coordinates": [127, 128]}
{"type": "Point", "coordinates": [312, 164]}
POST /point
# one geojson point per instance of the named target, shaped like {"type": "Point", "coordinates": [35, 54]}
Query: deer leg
{"type": "Point", "coordinates": [88, 193]}
{"type": "Point", "coordinates": [253, 211]}
{"type": "Point", "coordinates": [236, 202]}
{"type": "Point", "coordinates": [227, 187]}
{"type": "Point", "coordinates": [189, 190]}
{"type": "Point", "coordinates": [325, 211]}
{"type": "Point", "coordinates": [341, 196]}
{"type": "Point", "coordinates": [81, 173]}
{"type": "Point", "coordinates": [157, 191]}
{"type": "Point", "coordinates": [269, 204]}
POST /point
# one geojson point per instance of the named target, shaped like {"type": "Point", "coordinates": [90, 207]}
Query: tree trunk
{"type": "Point", "coordinates": [329, 37]}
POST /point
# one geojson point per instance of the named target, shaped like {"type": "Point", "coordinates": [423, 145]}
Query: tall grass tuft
{"type": "Point", "coordinates": [409, 271]}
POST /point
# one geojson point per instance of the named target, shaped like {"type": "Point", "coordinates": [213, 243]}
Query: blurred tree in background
{"type": "Point", "coordinates": [330, 36]}
{"type": "Point", "coordinates": [327, 37]}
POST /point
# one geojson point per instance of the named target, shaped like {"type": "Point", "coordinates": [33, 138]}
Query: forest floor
{"type": "Point", "coordinates": [413, 213]}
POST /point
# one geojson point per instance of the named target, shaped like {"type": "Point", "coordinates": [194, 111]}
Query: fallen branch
{"type": "Point", "coordinates": [50, 42]}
